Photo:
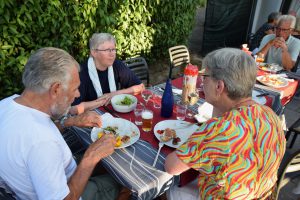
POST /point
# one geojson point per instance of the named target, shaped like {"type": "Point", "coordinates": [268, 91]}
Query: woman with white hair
{"type": "Point", "coordinates": [102, 76]}
{"type": "Point", "coordinates": [238, 151]}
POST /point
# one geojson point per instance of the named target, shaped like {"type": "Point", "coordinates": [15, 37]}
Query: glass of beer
{"type": "Point", "coordinates": [147, 120]}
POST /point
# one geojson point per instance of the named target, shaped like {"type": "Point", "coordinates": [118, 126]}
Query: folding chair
{"type": "Point", "coordinates": [289, 168]}
{"type": "Point", "coordinates": [140, 67]}
{"type": "Point", "coordinates": [179, 56]}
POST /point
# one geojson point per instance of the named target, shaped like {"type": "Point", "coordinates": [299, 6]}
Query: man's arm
{"type": "Point", "coordinates": [97, 150]}
{"type": "Point", "coordinates": [174, 165]}
{"type": "Point", "coordinates": [86, 119]}
{"type": "Point", "coordinates": [287, 61]}
{"type": "Point", "coordinates": [266, 48]}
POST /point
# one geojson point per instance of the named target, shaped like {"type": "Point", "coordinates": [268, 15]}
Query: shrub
{"type": "Point", "coordinates": [141, 27]}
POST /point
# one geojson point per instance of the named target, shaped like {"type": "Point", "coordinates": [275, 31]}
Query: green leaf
{"type": "Point", "coordinates": [5, 47]}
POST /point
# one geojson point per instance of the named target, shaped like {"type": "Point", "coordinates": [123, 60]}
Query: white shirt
{"type": "Point", "coordinates": [35, 161]}
{"type": "Point", "coordinates": [274, 55]}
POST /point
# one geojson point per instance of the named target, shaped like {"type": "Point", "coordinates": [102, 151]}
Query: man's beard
{"type": "Point", "coordinates": [60, 109]}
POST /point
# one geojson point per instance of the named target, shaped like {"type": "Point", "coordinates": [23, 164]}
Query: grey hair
{"type": "Point", "coordinates": [47, 66]}
{"type": "Point", "coordinates": [99, 38]}
{"type": "Point", "coordinates": [287, 18]}
{"type": "Point", "coordinates": [235, 68]}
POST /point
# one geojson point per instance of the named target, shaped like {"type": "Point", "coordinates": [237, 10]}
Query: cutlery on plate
{"type": "Point", "coordinates": [262, 94]}
{"type": "Point", "coordinates": [160, 145]}
{"type": "Point", "coordinates": [111, 112]}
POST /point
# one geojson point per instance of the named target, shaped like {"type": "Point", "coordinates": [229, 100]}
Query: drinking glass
{"type": "Point", "coordinates": [138, 114]}
{"type": "Point", "coordinates": [180, 110]}
{"type": "Point", "coordinates": [147, 94]}
{"type": "Point", "coordinates": [192, 100]}
{"type": "Point", "coordinates": [156, 97]}
{"type": "Point", "coordinates": [147, 120]}
{"type": "Point", "coordinates": [260, 59]}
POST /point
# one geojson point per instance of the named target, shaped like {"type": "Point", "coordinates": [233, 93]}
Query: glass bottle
{"type": "Point", "coordinates": [167, 101]}
{"type": "Point", "coordinates": [189, 82]}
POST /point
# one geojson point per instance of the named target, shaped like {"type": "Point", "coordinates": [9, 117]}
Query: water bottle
{"type": "Point", "coordinates": [167, 101]}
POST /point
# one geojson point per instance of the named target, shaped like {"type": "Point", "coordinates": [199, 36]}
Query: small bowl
{"type": "Point", "coordinates": [123, 108]}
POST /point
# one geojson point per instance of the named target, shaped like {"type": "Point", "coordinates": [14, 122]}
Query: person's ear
{"type": "Point", "coordinates": [93, 53]}
{"type": "Point", "coordinates": [220, 86]}
{"type": "Point", "coordinates": [55, 89]}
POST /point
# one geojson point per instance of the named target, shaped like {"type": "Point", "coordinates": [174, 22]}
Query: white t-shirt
{"type": "Point", "coordinates": [35, 161]}
{"type": "Point", "coordinates": [274, 55]}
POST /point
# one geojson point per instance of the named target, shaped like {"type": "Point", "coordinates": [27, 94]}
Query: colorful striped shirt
{"type": "Point", "coordinates": [238, 154]}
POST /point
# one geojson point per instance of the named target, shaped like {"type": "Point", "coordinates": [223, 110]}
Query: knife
{"type": "Point", "coordinates": [262, 94]}
{"type": "Point", "coordinates": [113, 113]}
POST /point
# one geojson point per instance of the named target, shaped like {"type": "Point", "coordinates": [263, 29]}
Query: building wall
{"type": "Point", "coordinates": [263, 9]}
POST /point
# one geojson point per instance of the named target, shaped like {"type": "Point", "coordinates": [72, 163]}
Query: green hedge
{"type": "Point", "coordinates": [141, 27]}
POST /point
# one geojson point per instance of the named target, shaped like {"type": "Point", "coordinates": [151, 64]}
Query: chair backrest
{"type": "Point", "coordinates": [297, 64]}
{"type": "Point", "coordinates": [179, 56]}
{"type": "Point", "coordinates": [289, 164]}
{"type": "Point", "coordinates": [5, 195]}
{"type": "Point", "coordinates": [140, 67]}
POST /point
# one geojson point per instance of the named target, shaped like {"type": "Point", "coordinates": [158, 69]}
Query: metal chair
{"type": "Point", "coordinates": [289, 168]}
{"type": "Point", "coordinates": [4, 195]}
{"type": "Point", "coordinates": [179, 56]}
{"type": "Point", "coordinates": [295, 130]}
{"type": "Point", "coordinates": [140, 67]}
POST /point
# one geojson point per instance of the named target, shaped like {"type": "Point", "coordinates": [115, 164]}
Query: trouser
{"type": "Point", "coordinates": [101, 187]}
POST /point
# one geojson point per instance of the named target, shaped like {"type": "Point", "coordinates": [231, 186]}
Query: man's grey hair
{"type": "Point", "coordinates": [99, 38]}
{"type": "Point", "coordinates": [47, 66]}
{"type": "Point", "coordinates": [235, 68]}
{"type": "Point", "coordinates": [287, 18]}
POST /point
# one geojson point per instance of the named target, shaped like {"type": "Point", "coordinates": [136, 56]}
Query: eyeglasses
{"type": "Point", "coordinates": [107, 50]}
{"type": "Point", "coordinates": [282, 29]}
{"type": "Point", "coordinates": [205, 75]}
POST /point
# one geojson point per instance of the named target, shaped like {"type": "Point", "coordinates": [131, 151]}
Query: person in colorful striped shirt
{"type": "Point", "coordinates": [238, 151]}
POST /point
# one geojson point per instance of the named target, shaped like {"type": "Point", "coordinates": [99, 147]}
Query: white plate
{"type": "Point", "coordinates": [273, 80]}
{"type": "Point", "coordinates": [259, 100]}
{"type": "Point", "coordinates": [125, 127]}
{"type": "Point", "coordinates": [270, 67]}
{"type": "Point", "coordinates": [183, 130]}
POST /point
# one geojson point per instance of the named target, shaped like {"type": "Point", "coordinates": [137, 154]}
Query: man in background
{"type": "Point", "coordinates": [281, 48]}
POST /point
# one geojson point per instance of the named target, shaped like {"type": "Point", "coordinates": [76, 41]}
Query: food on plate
{"type": "Point", "coordinates": [100, 134]}
{"type": "Point", "coordinates": [176, 140]}
{"type": "Point", "coordinates": [111, 129]}
{"type": "Point", "coordinates": [118, 141]}
{"type": "Point", "coordinates": [274, 80]}
{"type": "Point", "coordinates": [125, 139]}
{"type": "Point", "coordinates": [126, 101]}
{"type": "Point", "coordinates": [265, 67]}
{"type": "Point", "coordinates": [160, 132]}
{"type": "Point", "coordinates": [133, 134]}
{"type": "Point", "coordinates": [168, 134]}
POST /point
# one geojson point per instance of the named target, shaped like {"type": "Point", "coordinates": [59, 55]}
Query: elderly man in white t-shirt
{"type": "Point", "coordinates": [281, 48]}
{"type": "Point", "coordinates": [35, 161]}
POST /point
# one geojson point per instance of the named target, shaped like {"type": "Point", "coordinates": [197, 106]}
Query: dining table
{"type": "Point", "coordinates": [132, 166]}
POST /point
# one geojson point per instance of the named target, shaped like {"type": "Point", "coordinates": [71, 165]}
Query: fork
{"type": "Point", "coordinates": [160, 145]}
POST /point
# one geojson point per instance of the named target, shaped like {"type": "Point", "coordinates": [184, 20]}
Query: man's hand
{"type": "Point", "coordinates": [279, 42]}
{"type": "Point", "coordinates": [101, 148]}
{"type": "Point", "coordinates": [86, 119]}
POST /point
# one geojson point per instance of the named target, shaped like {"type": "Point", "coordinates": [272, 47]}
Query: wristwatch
{"type": "Point", "coordinates": [62, 120]}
